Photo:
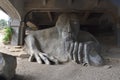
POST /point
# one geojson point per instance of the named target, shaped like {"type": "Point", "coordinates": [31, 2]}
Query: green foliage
{"type": "Point", "coordinates": [3, 23]}
{"type": "Point", "coordinates": [7, 35]}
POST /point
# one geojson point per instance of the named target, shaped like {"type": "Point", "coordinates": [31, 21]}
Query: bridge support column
{"type": "Point", "coordinates": [15, 24]}
{"type": "Point", "coordinates": [118, 34]}
{"type": "Point", "coordinates": [21, 34]}
{"type": "Point", "coordinates": [118, 28]}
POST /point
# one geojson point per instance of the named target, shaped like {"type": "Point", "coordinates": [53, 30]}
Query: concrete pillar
{"type": "Point", "coordinates": [21, 34]}
{"type": "Point", "coordinates": [15, 24]}
{"type": "Point", "coordinates": [118, 34]}
{"type": "Point", "coordinates": [118, 28]}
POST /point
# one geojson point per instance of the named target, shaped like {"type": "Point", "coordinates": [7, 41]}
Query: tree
{"type": "Point", "coordinates": [3, 23]}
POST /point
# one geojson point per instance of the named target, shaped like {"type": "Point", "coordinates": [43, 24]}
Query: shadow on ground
{"type": "Point", "coordinates": [22, 77]}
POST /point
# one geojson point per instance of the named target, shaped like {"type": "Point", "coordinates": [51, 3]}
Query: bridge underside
{"type": "Point", "coordinates": [44, 13]}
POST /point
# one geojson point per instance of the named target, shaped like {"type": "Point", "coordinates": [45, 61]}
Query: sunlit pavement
{"type": "Point", "coordinates": [10, 49]}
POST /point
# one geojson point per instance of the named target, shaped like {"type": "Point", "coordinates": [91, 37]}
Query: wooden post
{"type": "Point", "coordinates": [50, 16]}
{"type": "Point", "coordinates": [44, 2]}
{"type": "Point", "coordinates": [70, 2]}
{"type": "Point", "coordinates": [86, 16]}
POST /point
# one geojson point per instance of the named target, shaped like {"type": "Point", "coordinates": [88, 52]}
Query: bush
{"type": "Point", "coordinates": [7, 35]}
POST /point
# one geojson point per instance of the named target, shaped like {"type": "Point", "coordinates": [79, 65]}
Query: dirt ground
{"type": "Point", "coordinates": [69, 71]}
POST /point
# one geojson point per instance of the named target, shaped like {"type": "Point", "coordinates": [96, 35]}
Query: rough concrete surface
{"type": "Point", "coordinates": [72, 71]}
{"type": "Point", "coordinates": [69, 71]}
{"type": "Point", "coordinates": [8, 65]}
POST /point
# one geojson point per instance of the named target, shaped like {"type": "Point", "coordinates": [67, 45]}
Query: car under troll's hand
{"type": "Point", "coordinates": [63, 43]}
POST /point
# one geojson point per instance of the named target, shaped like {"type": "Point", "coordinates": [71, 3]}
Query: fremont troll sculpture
{"type": "Point", "coordinates": [63, 43]}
